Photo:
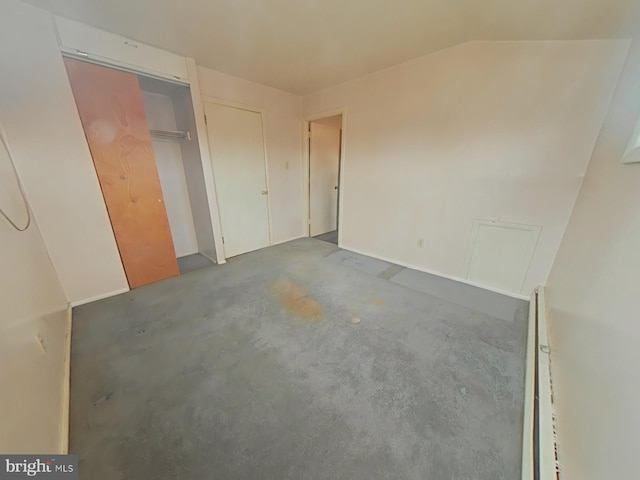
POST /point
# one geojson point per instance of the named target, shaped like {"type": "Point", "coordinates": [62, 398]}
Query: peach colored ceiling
{"type": "Point", "coordinates": [304, 45]}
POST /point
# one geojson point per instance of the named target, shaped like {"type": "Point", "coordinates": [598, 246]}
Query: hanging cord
{"type": "Point", "coordinates": [24, 197]}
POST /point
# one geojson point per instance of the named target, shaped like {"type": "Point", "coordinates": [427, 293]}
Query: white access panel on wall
{"type": "Point", "coordinates": [238, 159]}
{"type": "Point", "coordinates": [500, 253]}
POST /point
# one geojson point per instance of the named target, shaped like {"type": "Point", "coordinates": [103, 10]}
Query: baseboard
{"type": "Point", "coordinates": [519, 296]}
{"type": "Point", "coordinates": [211, 259]}
{"type": "Point", "coordinates": [288, 240]}
{"type": "Point", "coordinates": [66, 385]}
{"type": "Point", "coordinates": [99, 297]}
{"type": "Point", "coordinates": [187, 254]}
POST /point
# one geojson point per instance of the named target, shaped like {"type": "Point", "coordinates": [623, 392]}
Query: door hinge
{"type": "Point", "coordinates": [205, 120]}
{"type": "Point", "coordinates": [223, 239]}
{"type": "Point", "coordinates": [309, 134]}
{"type": "Point", "coordinates": [309, 222]}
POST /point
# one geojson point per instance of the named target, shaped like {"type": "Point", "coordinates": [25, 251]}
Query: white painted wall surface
{"type": "Point", "coordinates": [283, 112]}
{"type": "Point", "coordinates": [168, 156]}
{"type": "Point", "coordinates": [593, 298]}
{"type": "Point", "coordinates": [194, 170]}
{"type": "Point", "coordinates": [33, 303]}
{"type": "Point", "coordinates": [485, 130]}
{"type": "Point", "coordinates": [40, 119]}
{"type": "Point", "coordinates": [32, 366]}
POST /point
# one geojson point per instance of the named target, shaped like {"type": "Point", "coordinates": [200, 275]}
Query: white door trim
{"type": "Point", "coordinates": [205, 161]}
{"type": "Point", "coordinates": [305, 168]}
{"type": "Point", "coordinates": [262, 112]}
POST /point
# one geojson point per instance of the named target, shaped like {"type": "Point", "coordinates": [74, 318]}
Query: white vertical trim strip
{"type": "Point", "coordinates": [63, 446]}
{"type": "Point", "coordinates": [205, 156]}
{"type": "Point", "coordinates": [529, 392]}
{"type": "Point", "coordinates": [546, 448]}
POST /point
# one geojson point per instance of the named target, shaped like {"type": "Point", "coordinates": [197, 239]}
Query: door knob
{"type": "Point", "coordinates": [264, 192]}
{"type": "Point", "coordinates": [336, 187]}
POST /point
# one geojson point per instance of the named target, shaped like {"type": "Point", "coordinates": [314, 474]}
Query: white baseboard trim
{"type": "Point", "coordinates": [288, 240]}
{"type": "Point", "coordinates": [519, 296]}
{"type": "Point", "coordinates": [98, 297]}
{"type": "Point", "coordinates": [211, 259]}
{"type": "Point", "coordinates": [66, 385]}
{"type": "Point", "coordinates": [187, 254]}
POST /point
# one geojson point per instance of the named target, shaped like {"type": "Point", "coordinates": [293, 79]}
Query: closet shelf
{"type": "Point", "coordinates": [169, 134]}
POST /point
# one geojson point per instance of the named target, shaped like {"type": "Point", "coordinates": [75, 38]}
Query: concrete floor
{"type": "Point", "coordinates": [293, 363]}
{"type": "Point", "coordinates": [331, 237]}
{"type": "Point", "coordinates": [190, 263]}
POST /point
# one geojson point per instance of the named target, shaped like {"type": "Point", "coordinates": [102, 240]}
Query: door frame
{"type": "Point", "coordinates": [306, 188]}
{"type": "Point", "coordinates": [262, 112]}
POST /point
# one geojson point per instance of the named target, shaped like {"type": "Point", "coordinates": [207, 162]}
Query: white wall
{"type": "Point", "coordinates": [40, 118]}
{"type": "Point", "coordinates": [594, 306]}
{"type": "Point", "coordinates": [284, 144]}
{"type": "Point", "coordinates": [33, 313]}
{"type": "Point", "coordinates": [168, 156]}
{"type": "Point", "coordinates": [335, 121]}
{"type": "Point", "coordinates": [484, 130]}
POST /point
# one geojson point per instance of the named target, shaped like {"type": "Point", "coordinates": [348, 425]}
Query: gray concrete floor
{"type": "Point", "coordinates": [331, 237]}
{"type": "Point", "coordinates": [190, 263]}
{"type": "Point", "coordinates": [293, 363]}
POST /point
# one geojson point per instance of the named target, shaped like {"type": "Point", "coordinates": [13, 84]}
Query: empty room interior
{"type": "Point", "coordinates": [320, 240]}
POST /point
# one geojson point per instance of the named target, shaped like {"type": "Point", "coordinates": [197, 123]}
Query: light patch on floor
{"type": "Point", "coordinates": [369, 265]}
{"type": "Point", "coordinates": [296, 300]}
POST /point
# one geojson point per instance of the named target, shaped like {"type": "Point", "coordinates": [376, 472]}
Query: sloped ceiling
{"type": "Point", "coordinates": [305, 45]}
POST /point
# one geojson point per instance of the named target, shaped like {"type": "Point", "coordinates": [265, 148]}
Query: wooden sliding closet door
{"type": "Point", "coordinates": [113, 116]}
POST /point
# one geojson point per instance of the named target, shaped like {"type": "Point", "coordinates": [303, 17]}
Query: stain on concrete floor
{"type": "Point", "coordinates": [296, 300]}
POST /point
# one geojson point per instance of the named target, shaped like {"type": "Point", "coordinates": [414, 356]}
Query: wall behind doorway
{"type": "Point", "coordinates": [325, 148]}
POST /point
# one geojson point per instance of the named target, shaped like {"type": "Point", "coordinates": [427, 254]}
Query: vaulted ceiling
{"type": "Point", "coordinates": [305, 45]}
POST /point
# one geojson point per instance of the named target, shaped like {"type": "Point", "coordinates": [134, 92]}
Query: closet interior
{"type": "Point", "coordinates": [143, 140]}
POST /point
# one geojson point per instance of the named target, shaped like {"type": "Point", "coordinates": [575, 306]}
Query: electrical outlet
{"type": "Point", "coordinates": [420, 242]}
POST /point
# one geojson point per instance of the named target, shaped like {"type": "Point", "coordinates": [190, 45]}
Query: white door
{"type": "Point", "coordinates": [324, 161]}
{"type": "Point", "coordinates": [238, 161]}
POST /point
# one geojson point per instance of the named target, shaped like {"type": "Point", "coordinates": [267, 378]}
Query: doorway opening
{"type": "Point", "coordinates": [324, 166]}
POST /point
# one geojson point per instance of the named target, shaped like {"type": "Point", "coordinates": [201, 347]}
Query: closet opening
{"type": "Point", "coordinates": [175, 146]}
{"type": "Point", "coordinates": [142, 135]}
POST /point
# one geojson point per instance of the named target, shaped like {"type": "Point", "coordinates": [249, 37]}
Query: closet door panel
{"type": "Point", "coordinates": [113, 116]}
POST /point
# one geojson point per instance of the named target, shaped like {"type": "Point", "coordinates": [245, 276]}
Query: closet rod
{"type": "Point", "coordinates": [170, 134]}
